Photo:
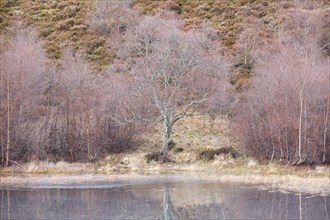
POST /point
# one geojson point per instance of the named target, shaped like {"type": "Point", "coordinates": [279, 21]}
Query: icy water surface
{"type": "Point", "coordinates": [159, 199]}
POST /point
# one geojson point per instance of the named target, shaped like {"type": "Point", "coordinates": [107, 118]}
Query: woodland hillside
{"type": "Point", "coordinates": [84, 79]}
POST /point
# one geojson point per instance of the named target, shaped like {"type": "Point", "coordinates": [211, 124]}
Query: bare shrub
{"type": "Point", "coordinates": [284, 116]}
{"type": "Point", "coordinates": [111, 16]}
{"type": "Point", "coordinates": [82, 122]}
{"type": "Point", "coordinates": [23, 64]}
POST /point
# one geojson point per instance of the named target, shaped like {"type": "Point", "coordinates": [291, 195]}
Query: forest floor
{"type": "Point", "coordinates": [191, 137]}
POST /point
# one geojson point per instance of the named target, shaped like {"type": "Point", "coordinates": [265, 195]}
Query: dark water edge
{"type": "Point", "coordinates": [160, 199]}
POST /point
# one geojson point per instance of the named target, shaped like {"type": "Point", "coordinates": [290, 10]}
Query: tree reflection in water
{"type": "Point", "coordinates": [168, 211]}
{"type": "Point", "coordinates": [160, 200]}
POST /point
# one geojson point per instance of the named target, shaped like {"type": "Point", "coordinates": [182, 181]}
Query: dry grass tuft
{"type": "Point", "coordinates": [154, 156]}
{"type": "Point", "coordinates": [210, 154]}
{"type": "Point", "coordinates": [46, 167]}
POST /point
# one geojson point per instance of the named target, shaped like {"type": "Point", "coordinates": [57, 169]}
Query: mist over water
{"type": "Point", "coordinates": [160, 199]}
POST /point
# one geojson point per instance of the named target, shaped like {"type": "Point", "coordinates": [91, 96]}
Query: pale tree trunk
{"type": "Point", "coordinates": [88, 137]}
{"type": "Point", "coordinates": [281, 148]}
{"type": "Point", "coordinates": [286, 132]}
{"type": "Point", "coordinates": [2, 146]}
{"type": "Point", "coordinates": [272, 141]}
{"type": "Point", "coordinates": [15, 138]}
{"type": "Point", "coordinates": [1, 128]}
{"type": "Point", "coordinates": [167, 130]}
{"type": "Point", "coordinates": [245, 53]}
{"type": "Point", "coordinates": [326, 120]}
{"type": "Point", "coordinates": [68, 134]}
{"type": "Point", "coordinates": [300, 126]}
{"type": "Point", "coordinates": [287, 144]}
{"type": "Point", "coordinates": [8, 123]}
{"type": "Point", "coordinates": [305, 125]}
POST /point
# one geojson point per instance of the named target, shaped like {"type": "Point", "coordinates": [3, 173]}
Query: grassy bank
{"type": "Point", "coordinates": [60, 24]}
{"type": "Point", "coordinates": [137, 164]}
{"type": "Point", "coordinates": [271, 176]}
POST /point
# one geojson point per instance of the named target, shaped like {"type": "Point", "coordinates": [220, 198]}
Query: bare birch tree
{"type": "Point", "coordinates": [171, 69]}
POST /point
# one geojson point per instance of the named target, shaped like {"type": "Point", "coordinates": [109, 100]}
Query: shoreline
{"type": "Point", "coordinates": [287, 183]}
{"type": "Point", "coordinates": [284, 183]}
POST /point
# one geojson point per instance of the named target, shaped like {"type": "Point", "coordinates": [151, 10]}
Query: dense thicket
{"type": "Point", "coordinates": [61, 112]}
{"type": "Point", "coordinates": [284, 116]}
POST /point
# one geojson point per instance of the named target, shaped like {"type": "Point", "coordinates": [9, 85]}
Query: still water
{"type": "Point", "coordinates": [159, 199]}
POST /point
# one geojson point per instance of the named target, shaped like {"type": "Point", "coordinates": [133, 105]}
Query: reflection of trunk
{"type": "Point", "coordinates": [272, 208]}
{"type": "Point", "coordinates": [326, 207]}
{"type": "Point", "coordinates": [168, 211]}
{"type": "Point", "coordinates": [222, 212]}
{"type": "Point", "coordinates": [2, 205]}
{"type": "Point", "coordinates": [300, 208]}
{"type": "Point", "coordinates": [287, 206]}
{"type": "Point", "coordinates": [8, 205]}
